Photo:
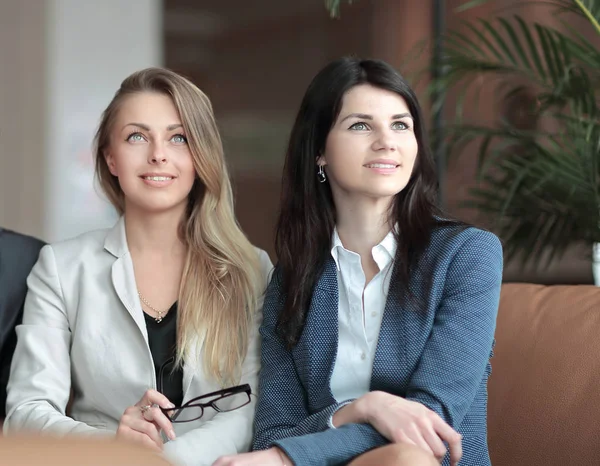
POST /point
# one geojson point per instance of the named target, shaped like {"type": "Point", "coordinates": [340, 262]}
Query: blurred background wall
{"type": "Point", "coordinates": [60, 63]}
{"type": "Point", "coordinates": [62, 60]}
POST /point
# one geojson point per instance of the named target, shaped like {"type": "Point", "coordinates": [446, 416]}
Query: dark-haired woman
{"type": "Point", "coordinates": [379, 320]}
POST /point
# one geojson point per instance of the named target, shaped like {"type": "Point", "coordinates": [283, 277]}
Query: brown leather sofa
{"type": "Point", "coordinates": [34, 450]}
{"type": "Point", "coordinates": [544, 391]}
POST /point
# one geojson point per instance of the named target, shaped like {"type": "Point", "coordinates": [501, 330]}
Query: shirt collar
{"type": "Point", "coordinates": [336, 244]}
{"type": "Point", "coordinates": [385, 252]}
{"type": "Point", "coordinates": [387, 246]}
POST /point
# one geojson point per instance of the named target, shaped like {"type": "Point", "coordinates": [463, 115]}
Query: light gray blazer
{"type": "Point", "coordinates": [83, 328]}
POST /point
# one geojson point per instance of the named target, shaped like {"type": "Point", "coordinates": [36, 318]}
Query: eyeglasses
{"type": "Point", "coordinates": [221, 401]}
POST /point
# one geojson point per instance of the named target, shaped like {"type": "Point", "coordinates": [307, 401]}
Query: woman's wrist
{"type": "Point", "coordinates": [285, 460]}
{"type": "Point", "coordinates": [352, 413]}
{"type": "Point", "coordinates": [362, 409]}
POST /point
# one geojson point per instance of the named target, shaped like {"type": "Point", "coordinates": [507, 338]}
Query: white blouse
{"type": "Point", "coordinates": [360, 312]}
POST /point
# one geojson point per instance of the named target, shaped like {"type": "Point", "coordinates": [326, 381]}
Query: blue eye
{"type": "Point", "coordinates": [360, 126]}
{"type": "Point", "coordinates": [179, 139]}
{"type": "Point", "coordinates": [135, 137]}
{"type": "Point", "coordinates": [399, 125]}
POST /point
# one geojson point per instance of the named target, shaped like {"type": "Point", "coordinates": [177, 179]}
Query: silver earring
{"type": "Point", "coordinates": [321, 175]}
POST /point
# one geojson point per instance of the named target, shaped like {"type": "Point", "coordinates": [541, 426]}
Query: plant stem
{"type": "Point", "coordinates": [589, 15]}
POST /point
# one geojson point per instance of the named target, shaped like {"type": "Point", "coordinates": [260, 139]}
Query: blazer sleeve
{"type": "Point", "coordinates": [40, 379]}
{"type": "Point", "coordinates": [18, 254]}
{"type": "Point", "coordinates": [282, 415]}
{"type": "Point", "coordinates": [455, 358]}
{"type": "Point", "coordinates": [229, 432]}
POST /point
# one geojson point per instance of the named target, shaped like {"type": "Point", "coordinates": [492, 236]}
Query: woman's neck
{"type": "Point", "coordinates": [362, 226]}
{"type": "Point", "coordinates": [157, 234]}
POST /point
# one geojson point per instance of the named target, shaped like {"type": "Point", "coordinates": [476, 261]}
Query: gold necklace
{"type": "Point", "coordinates": [160, 315]}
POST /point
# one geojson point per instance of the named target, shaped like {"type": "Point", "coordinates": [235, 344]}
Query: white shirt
{"type": "Point", "coordinates": [359, 316]}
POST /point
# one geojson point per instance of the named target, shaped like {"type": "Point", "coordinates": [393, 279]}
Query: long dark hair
{"type": "Point", "coordinates": [307, 216]}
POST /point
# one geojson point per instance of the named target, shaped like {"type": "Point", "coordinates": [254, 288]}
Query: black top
{"type": "Point", "coordinates": [162, 338]}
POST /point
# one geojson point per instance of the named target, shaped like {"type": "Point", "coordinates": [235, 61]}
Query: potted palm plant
{"type": "Point", "coordinates": [540, 181]}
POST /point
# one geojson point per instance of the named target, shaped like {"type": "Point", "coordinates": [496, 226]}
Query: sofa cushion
{"type": "Point", "coordinates": [31, 449]}
{"type": "Point", "coordinates": [544, 391]}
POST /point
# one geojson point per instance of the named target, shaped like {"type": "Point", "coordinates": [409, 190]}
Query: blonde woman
{"type": "Point", "coordinates": [138, 322]}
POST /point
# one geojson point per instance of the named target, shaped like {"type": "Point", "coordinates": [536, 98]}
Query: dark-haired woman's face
{"type": "Point", "coordinates": [371, 148]}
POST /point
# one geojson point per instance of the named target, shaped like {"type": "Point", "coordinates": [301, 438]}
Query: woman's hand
{"type": "Point", "coordinates": [271, 457]}
{"type": "Point", "coordinates": [143, 422]}
{"type": "Point", "coordinates": [403, 421]}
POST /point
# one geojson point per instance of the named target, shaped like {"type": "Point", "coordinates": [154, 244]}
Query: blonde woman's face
{"type": "Point", "coordinates": [149, 154]}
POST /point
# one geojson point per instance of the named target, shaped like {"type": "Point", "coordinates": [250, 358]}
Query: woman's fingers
{"type": "Point", "coordinates": [152, 397]}
{"type": "Point", "coordinates": [155, 415]}
{"type": "Point", "coordinates": [143, 439]}
{"type": "Point", "coordinates": [145, 428]}
{"type": "Point", "coordinates": [450, 436]}
{"type": "Point", "coordinates": [150, 405]}
{"type": "Point", "coordinates": [399, 419]}
{"type": "Point", "coordinates": [270, 457]}
{"type": "Point", "coordinates": [414, 437]}
{"type": "Point", "coordinates": [143, 422]}
{"type": "Point", "coordinates": [434, 441]}
{"type": "Point", "coordinates": [455, 451]}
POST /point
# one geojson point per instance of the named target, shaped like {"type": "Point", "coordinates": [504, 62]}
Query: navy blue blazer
{"type": "Point", "coordinates": [435, 351]}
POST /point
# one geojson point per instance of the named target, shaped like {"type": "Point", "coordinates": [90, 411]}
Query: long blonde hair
{"type": "Point", "coordinates": [221, 280]}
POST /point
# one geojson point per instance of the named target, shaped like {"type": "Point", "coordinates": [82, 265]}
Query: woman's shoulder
{"type": "Point", "coordinates": [78, 249]}
{"type": "Point", "coordinates": [266, 266]}
{"type": "Point", "coordinates": [450, 238]}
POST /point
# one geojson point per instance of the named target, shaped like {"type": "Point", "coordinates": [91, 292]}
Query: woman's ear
{"type": "Point", "coordinates": [321, 160]}
{"type": "Point", "coordinates": [110, 161]}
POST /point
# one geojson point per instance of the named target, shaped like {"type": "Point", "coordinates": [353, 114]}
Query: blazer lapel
{"type": "Point", "coordinates": [317, 350]}
{"type": "Point", "coordinates": [123, 277]}
{"type": "Point", "coordinates": [192, 367]}
{"type": "Point", "coordinates": [188, 375]}
{"type": "Point", "coordinates": [389, 367]}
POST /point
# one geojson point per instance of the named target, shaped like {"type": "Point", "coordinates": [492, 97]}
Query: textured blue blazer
{"type": "Point", "coordinates": [436, 351]}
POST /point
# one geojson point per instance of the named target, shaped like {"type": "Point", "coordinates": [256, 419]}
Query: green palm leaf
{"type": "Point", "coordinates": [541, 187]}
{"type": "Point", "coordinates": [333, 6]}
{"type": "Point", "coordinates": [545, 193]}
{"type": "Point", "coordinates": [547, 58]}
{"type": "Point", "coordinates": [589, 9]}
